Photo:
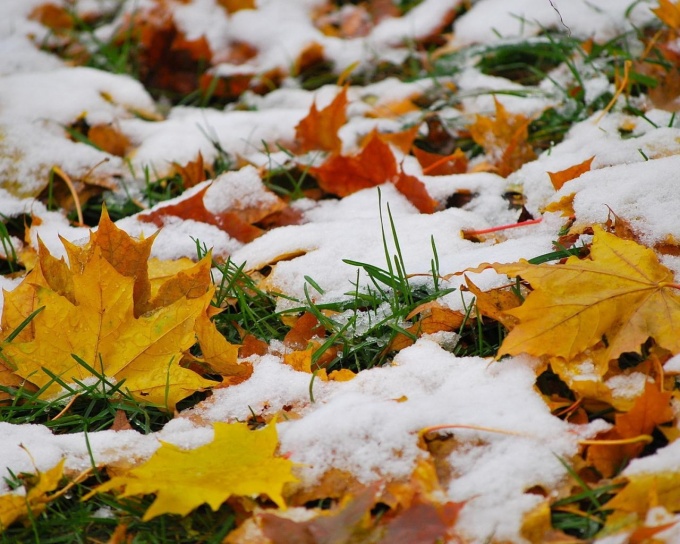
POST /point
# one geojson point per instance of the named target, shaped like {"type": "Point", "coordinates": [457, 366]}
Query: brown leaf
{"type": "Point", "coordinates": [414, 189]}
{"type": "Point", "coordinates": [335, 526]}
{"type": "Point", "coordinates": [342, 176]}
{"type": "Point", "coordinates": [305, 328]}
{"type": "Point", "coordinates": [495, 303]}
{"type": "Point", "coordinates": [52, 16]}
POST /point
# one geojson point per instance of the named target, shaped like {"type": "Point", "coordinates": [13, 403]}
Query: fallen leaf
{"type": "Point", "coordinates": [340, 524]}
{"type": "Point", "coordinates": [504, 139]}
{"type": "Point", "coordinates": [102, 299]}
{"type": "Point", "coordinates": [646, 490]}
{"type": "Point", "coordinates": [52, 16]}
{"type": "Point", "coordinates": [651, 409]}
{"type": "Point", "coordinates": [319, 129]}
{"type": "Point", "coordinates": [669, 13]}
{"type": "Point", "coordinates": [193, 207]}
{"type": "Point", "coordinates": [495, 303]}
{"type": "Point", "coordinates": [17, 506]}
{"type": "Point", "coordinates": [414, 189]}
{"type": "Point", "coordinates": [435, 164]}
{"type": "Point", "coordinates": [621, 292]}
{"type": "Point", "coordinates": [560, 178]}
{"type": "Point", "coordinates": [237, 462]}
{"type": "Point", "coordinates": [110, 139]}
{"type": "Point", "coordinates": [193, 172]}
{"type": "Point", "coordinates": [303, 330]}
{"type": "Point", "coordinates": [374, 165]}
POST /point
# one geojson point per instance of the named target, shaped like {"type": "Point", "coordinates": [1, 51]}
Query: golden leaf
{"type": "Point", "coordinates": [14, 506]}
{"type": "Point", "coordinates": [622, 293]}
{"type": "Point", "coordinates": [97, 318]}
{"type": "Point", "coordinates": [646, 490]}
{"type": "Point", "coordinates": [237, 462]}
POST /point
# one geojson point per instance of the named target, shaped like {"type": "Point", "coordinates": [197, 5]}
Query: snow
{"type": "Point", "coordinates": [369, 425]}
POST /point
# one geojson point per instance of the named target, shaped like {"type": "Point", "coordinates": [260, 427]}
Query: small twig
{"type": "Point", "coordinates": [554, 7]}
{"type": "Point", "coordinates": [469, 427]}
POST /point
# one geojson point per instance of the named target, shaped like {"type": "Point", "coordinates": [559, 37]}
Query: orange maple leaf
{"type": "Point", "coordinates": [504, 139]}
{"type": "Point", "coordinates": [319, 129]}
{"type": "Point", "coordinates": [651, 408]}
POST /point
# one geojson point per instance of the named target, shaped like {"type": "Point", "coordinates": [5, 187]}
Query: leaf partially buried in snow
{"type": "Point", "coordinates": [17, 506]}
{"type": "Point", "coordinates": [621, 294]}
{"type": "Point", "coordinates": [237, 462]}
{"type": "Point", "coordinates": [374, 165]}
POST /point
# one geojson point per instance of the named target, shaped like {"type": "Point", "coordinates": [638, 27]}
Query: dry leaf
{"type": "Point", "coordinates": [108, 138]}
{"type": "Point", "coordinates": [647, 490]}
{"type": "Point", "coordinates": [621, 292]}
{"type": "Point", "coordinates": [193, 172]}
{"type": "Point", "coordinates": [504, 139]}
{"type": "Point", "coordinates": [236, 222]}
{"type": "Point", "coordinates": [237, 462]}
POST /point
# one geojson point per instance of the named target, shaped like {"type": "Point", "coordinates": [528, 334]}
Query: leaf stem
{"type": "Point", "coordinates": [502, 227]}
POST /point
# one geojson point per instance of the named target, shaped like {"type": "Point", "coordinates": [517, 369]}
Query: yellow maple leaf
{"type": "Point", "coordinates": [504, 139]}
{"type": "Point", "coordinates": [100, 329]}
{"type": "Point", "coordinates": [621, 294]}
{"type": "Point", "coordinates": [91, 320]}
{"type": "Point", "coordinates": [15, 506]}
{"type": "Point", "coordinates": [237, 462]}
{"type": "Point", "coordinates": [646, 490]}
